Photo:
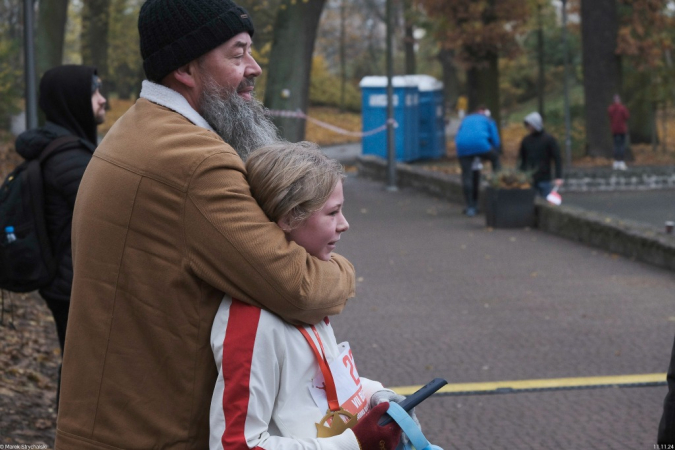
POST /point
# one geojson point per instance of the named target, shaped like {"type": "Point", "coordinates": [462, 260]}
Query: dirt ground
{"type": "Point", "coordinates": [29, 362]}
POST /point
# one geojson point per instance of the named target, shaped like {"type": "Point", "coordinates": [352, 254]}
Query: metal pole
{"type": "Point", "coordinates": [31, 97]}
{"type": "Point", "coordinates": [568, 138]}
{"type": "Point", "coordinates": [540, 51]}
{"type": "Point", "coordinates": [391, 148]}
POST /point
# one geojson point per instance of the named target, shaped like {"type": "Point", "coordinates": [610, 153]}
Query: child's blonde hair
{"type": "Point", "coordinates": [292, 180]}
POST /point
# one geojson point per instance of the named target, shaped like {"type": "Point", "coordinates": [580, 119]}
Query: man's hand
{"type": "Point", "coordinates": [371, 436]}
{"type": "Point", "coordinates": [558, 182]}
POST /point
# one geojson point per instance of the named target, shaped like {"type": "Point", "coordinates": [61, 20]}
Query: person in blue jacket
{"type": "Point", "coordinates": [477, 137]}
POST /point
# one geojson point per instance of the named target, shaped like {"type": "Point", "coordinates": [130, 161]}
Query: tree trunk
{"type": "Point", "coordinates": [483, 87]}
{"type": "Point", "coordinates": [540, 59]}
{"type": "Point", "coordinates": [94, 37]}
{"type": "Point", "coordinates": [450, 79]}
{"type": "Point", "coordinates": [639, 100]}
{"type": "Point", "coordinates": [50, 34]}
{"type": "Point", "coordinates": [291, 63]}
{"type": "Point", "coordinates": [343, 56]}
{"type": "Point", "coordinates": [409, 41]}
{"type": "Point", "coordinates": [602, 71]}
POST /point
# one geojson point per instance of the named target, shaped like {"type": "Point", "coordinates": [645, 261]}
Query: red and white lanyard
{"type": "Point", "coordinates": [331, 392]}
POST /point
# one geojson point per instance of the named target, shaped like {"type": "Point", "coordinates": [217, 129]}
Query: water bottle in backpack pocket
{"type": "Point", "coordinates": [21, 267]}
{"type": "Point", "coordinates": [27, 261]}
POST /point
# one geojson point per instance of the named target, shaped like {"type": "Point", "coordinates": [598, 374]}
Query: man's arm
{"type": "Point", "coordinates": [235, 248]}
{"type": "Point", "coordinates": [521, 156]}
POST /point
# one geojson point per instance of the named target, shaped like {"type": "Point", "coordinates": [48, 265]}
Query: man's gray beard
{"type": "Point", "coordinates": [241, 123]}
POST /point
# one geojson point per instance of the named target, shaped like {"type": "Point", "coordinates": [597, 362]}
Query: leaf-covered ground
{"type": "Point", "coordinates": [29, 364]}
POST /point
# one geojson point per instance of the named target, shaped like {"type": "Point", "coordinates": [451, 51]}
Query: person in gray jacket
{"type": "Point", "coordinates": [537, 151]}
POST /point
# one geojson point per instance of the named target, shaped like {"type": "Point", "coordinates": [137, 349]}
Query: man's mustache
{"type": "Point", "coordinates": [246, 83]}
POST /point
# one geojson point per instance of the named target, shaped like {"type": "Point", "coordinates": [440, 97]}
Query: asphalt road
{"type": "Point", "coordinates": [440, 295]}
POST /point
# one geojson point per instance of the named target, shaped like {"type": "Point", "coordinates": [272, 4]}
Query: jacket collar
{"type": "Point", "coordinates": [164, 96]}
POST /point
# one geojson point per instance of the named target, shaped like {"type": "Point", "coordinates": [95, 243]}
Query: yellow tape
{"type": "Point", "coordinates": [551, 383]}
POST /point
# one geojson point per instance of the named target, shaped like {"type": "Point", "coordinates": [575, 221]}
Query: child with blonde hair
{"type": "Point", "coordinates": [293, 387]}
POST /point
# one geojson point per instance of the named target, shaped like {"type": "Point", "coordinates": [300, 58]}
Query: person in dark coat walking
{"type": "Point", "coordinates": [73, 105]}
{"type": "Point", "coordinates": [537, 151]}
{"type": "Point", "coordinates": [666, 432]}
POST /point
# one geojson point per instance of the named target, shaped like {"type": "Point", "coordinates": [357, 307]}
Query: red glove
{"type": "Point", "coordinates": [371, 436]}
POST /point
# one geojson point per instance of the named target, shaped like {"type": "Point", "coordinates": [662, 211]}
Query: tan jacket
{"type": "Point", "coordinates": [164, 224]}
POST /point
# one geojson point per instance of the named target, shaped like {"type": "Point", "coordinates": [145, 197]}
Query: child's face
{"type": "Point", "coordinates": [321, 231]}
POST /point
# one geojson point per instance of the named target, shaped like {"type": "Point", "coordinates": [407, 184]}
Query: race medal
{"type": "Point", "coordinates": [334, 423]}
{"type": "Point", "coordinates": [337, 419]}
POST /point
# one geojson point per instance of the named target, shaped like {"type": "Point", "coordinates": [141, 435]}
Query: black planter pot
{"type": "Point", "coordinates": [509, 208]}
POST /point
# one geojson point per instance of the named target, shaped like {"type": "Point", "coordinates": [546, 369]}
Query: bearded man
{"type": "Point", "coordinates": [164, 224]}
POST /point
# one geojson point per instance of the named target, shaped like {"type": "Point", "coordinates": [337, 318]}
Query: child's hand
{"type": "Point", "coordinates": [387, 395]}
{"type": "Point", "coordinates": [373, 436]}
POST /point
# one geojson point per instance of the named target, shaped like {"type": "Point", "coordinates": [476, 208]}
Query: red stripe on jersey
{"type": "Point", "coordinates": [242, 326]}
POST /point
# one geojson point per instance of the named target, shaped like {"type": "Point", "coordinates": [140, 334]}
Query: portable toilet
{"type": "Point", "coordinates": [432, 116]}
{"type": "Point", "coordinates": [374, 117]}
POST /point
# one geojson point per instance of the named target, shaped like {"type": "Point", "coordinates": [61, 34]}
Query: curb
{"type": "Point", "coordinates": [610, 233]}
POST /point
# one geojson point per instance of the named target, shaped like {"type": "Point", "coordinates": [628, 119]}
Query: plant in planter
{"type": "Point", "coordinates": [509, 199]}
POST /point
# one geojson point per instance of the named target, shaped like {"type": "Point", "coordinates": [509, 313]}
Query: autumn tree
{"type": "Point", "coordinates": [94, 39]}
{"type": "Point", "coordinates": [479, 32]}
{"type": "Point", "coordinates": [49, 34]}
{"type": "Point", "coordinates": [263, 14]}
{"type": "Point", "coordinates": [125, 65]}
{"type": "Point", "coordinates": [450, 78]}
{"type": "Point", "coordinates": [11, 63]}
{"type": "Point", "coordinates": [644, 41]}
{"type": "Point", "coordinates": [350, 45]}
{"type": "Point", "coordinates": [290, 62]}
{"type": "Point", "coordinates": [602, 70]}
{"type": "Point", "coordinates": [408, 12]}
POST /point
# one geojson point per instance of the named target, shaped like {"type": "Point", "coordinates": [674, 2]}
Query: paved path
{"type": "Point", "coordinates": [652, 207]}
{"type": "Point", "coordinates": [438, 294]}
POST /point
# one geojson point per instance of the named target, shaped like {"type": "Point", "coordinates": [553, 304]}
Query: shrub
{"type": "Point", "coordinates": [511, 179]}
{"type": "Point", "coordinates": [11, 83]}
{"type": "Point", "coordinates": [325, 88]}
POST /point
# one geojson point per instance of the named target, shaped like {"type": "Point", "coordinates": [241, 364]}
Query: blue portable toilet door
{"type": "Point", "coordinates": [374, 115]}
{"type": "Point", "coordinates": [440, 144]}
{"type": "Point", "coordinates": [431, 122]}
{"type": "Point", "coordinates": [412, 117]}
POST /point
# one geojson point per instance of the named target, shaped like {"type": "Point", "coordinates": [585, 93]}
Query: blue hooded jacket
{"type": "Point", "coordinates": [477, 134]}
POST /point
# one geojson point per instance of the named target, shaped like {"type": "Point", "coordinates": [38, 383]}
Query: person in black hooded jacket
{"type": "Point", "coordinates": [537, 151]}
{"type": "Point", "coordinates": [72, 102]}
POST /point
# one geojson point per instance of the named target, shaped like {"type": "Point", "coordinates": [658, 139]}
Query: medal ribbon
{"type": "Point", "coordinates": [331, 392]}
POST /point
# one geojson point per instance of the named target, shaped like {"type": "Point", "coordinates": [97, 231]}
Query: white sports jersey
{"type": "Point", "coordinates": [262, 398]}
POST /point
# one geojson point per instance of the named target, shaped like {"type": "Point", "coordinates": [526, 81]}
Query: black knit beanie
{"type": "Point", "coordinates": [175, 32]}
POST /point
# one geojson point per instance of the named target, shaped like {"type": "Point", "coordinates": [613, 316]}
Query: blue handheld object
{"type": "Point", "coordinates": [418, 397]}
{"type": "Point", "coordinates": [410, 428]}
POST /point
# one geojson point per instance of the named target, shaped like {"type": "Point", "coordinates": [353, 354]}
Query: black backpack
{"type": "Point", "coordinates": [27, 260]}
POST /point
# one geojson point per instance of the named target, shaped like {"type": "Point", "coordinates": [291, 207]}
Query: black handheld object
{"type": "Point", "coordinates": [418, 397]}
